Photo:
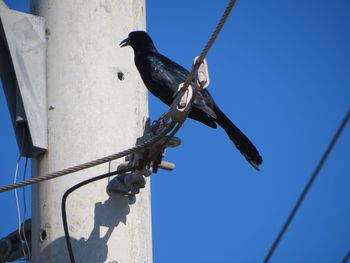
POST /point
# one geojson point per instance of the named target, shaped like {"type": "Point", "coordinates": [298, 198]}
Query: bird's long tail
{"type": "Point", "coordinates": [243, 144]}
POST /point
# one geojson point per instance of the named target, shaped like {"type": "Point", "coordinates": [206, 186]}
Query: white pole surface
{"type": "Point", "coordinates": [97, 105]}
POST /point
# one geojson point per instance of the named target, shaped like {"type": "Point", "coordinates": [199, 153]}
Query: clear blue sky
{"type": "Point", "coordinates": [281, 71]}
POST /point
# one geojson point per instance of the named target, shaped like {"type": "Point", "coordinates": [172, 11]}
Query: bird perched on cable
{"type": "Point", "coordinates": [162, 77]}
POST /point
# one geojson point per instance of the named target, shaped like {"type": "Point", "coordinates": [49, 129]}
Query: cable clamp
{"type": "Point", "coordinates": [202, 79]}
{"type": "Point", "coordinates": [181, 105]}
{"type": "Point", "coordinates": [147, 161]}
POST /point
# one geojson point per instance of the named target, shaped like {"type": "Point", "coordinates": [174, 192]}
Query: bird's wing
{"type": "Point", "coordinates": [169, 75]}
{"type": "Point", "coordinates": [205, 102]}
{"type": "Point", "coordinates": [166, 72]}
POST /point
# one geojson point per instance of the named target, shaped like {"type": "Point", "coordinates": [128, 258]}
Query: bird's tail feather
{"type": "Point", "coordinates": [243, 144]}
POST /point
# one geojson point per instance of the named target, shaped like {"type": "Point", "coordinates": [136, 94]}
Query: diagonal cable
{"type": "Point", "coordinates": [307, 187]}
{"type": "Point", "coordinates": [346, 258]}
{"type": "Point", "coordinates": [210, 43]}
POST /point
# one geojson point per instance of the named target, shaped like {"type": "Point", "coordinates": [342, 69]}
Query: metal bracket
{"type": "Point", "coordinates": [23, 74]}
{"type": "Point", "coordinates": [184, 97]}
{"type": "Point", "coordinates": [147, 161]}
{"type": "Point", "coordinates": [181, 104]}
{"type": "Point", "coordinates": [202, 77]}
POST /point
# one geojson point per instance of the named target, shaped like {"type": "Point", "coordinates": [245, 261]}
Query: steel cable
{"type": "Point", "coordinates": [91, 163]}
{"type": "Point", "coordinates": [307, 187]}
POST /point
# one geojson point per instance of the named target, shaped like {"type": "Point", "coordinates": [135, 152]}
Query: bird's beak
{"type": "Point", "coordinates": [125, 42]}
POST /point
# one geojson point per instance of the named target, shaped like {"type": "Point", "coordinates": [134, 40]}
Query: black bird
{"type": "Point", "coordinates": [162, 78]}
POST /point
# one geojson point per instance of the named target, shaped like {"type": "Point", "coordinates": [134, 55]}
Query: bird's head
{"type": "Point", "coordinates": [140, 41]}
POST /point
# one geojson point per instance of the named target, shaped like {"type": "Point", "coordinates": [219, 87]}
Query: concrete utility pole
{"type": "Point", "coordinates": [97, 105]}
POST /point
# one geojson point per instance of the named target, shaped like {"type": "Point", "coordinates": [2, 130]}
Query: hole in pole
{"type": "Point", "coordinates": [43, 235]}
{"type": "Point", "coordinates": [120, 75]}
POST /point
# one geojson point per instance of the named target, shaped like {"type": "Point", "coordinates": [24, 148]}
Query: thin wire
{"type": "Point", "coordinates": [75, 187]}
{"type": "Point", "coordinates": [91, 163]}
{"type": "Point", "coordinates": [346, 258]}
{"type": "Point", "coordinates": [16, 194]}
{"type": "Point", "coordinates": [308, 186]}
{"type": "Point", "coordinates": [28, 257]}
{"type": "Point", "coordinates": [17, 205]}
